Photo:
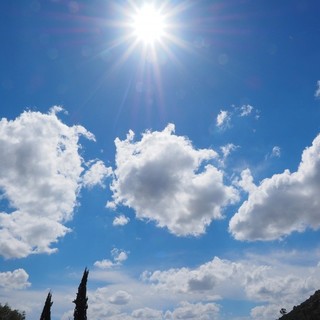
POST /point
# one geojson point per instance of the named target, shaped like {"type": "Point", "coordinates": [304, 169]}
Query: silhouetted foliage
{"type": "Point", "coordinates": [46, 312]}
{"type": "Point", "coordinates": [81, 302]}
{"type": "Point", "coordinates": [307, 310]}
{"type": "Point", "coordinates": [283, 311]}
{"type": "Point", "coordinates": [6, 313]}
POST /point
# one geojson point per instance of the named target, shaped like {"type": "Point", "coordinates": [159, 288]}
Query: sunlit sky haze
{"type": "Point", "coordinates": [171, 147]}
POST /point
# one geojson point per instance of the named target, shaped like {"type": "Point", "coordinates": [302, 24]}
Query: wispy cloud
{"type": "Point", "coordinates": [120, 220]}
{"type": "Point", "coordinates": [317, 93]}
{"type": "Point", "coordinates": [159, 178]}
{"type": "Point", "coordinates": [245, 110]}
{"type": "Point", "coordinates": [227, 150]}
{"type": "Point", "coordinates": [276, 152]}
{"type": "Point", "coordinates": [223, 119]}
{"type": "Point", "coordinates": [118, 257]}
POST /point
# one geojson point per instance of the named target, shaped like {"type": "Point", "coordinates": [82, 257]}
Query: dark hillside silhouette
{"type": "Point", "coordinates": [307, 310]}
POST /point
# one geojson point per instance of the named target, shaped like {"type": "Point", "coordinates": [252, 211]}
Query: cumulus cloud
{"type": "Point", "coordinates": [202, 311]}
{"type": "Point", "coordinates": [96, 173]}
{"type": "Point", "coordinates": [282, 204]}
{"type": "Point", "coordinates": [265, 312]}
{"type": "Point", "coordinates": [101, 304]}
{"type": "Point", "coordinates": [120, 220]}
{"type": "Point", "coordinates": [118, 257]}
{"type": "Point", "coordinates": [223, 119]}
{"type": "Point", "coordinates": [206, 278]}
{"type": "Point", "coordinates": [12, 280]}
{"type": "Point", "coordinates": [317, 93]}
{"type": "Point", "coordinates": [146, 314]}
{"type": "Point", "coordinates": [164, 179]}
{"type": "Point", "coordinates": [40, 178]}
{"type": "Point", "coordinates": [120, 297]}
{"type": "Point", "coordinates": [274, 284]}
{"type": "Point", "coordinates": [268, 282]}
{"type": "Point", "coordinates": [122, 305]}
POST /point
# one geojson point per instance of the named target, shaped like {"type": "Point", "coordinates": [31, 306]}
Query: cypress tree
{"type": "Point", "coordinates": [81, 302]}
{"type": "Point", "coordinates": [46, 312]}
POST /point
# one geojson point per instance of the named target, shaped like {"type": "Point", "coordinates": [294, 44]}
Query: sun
{"type": "Point", "coordinates": [149, 29]}
{"type": "Point", "coordinates": [149, 24]}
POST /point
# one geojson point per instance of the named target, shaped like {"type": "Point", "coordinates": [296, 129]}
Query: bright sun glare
{"type": "Point", "coordinates": [149, 24]}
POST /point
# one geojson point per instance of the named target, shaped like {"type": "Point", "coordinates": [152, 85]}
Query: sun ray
{"type": "Point", "coordinates": [149, 30]}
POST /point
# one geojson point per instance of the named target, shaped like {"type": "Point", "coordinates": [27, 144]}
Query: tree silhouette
{"type": "Point", "coordinates": [283, 311]}
{"type": "Point", "coordinates": [6, 313]}
{"type": "Point", "coordinates": [46, 312]}
{"type": "Point", "coordinates": [81, 302]}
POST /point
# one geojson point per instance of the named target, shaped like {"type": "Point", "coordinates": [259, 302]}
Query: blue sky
{"type": "Point", "coordinates": [183, 172]}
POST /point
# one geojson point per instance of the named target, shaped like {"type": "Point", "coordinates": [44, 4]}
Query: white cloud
{"type": "Point", "coordinates": [96, 173]}
{"type": "Point", "coordinates": [205, 279]}
{"type": "Point", "coordinates": [104, 264]}
{"type": "Point", "coordinates": [317, 93]}
{"type": "Point", "coordinates": [118, 257]}
{"type": "Point", "coordinates": [265, 312]}
{"type": "Point", "coordinates": [164, 179]}
{"type": "Point", "coordinates": [100, 305]}
{"type": "Point", "coordinates": [273, 282]}
{"type": "Point", "coordinates": [123, 305]}
{"type": "Point", "coordinates": [276, 152]}
{"type": "Point", "coordinates": [12, 280]}
{"type": "Point", "coordinates": [246, 181]}
{"type": "Point", "coordinates": [56, 109]}
{"type": "Point", "coordinates": [268, 282]}
{"type": "Point", "coordinates": [282, 204]}
{"type": "Point", "coordinates": [138, 299]}
{"type": "Point", "coordinates": [201, 311]}
{"type": "Point", "coordinates": [226, 151]}
{"type": "Point", "coordinates": [40, 177]}
{"type": "Point", "coordinates": [120, 298]}
{"type": "Point", "coordinates": [120, 220]}
{"type": "Point", "coordinates": [246, 110]}
{"type": "Point", "coordinates": [146, 313]}
{"type": "Point", "coordinates": [223, 119]}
